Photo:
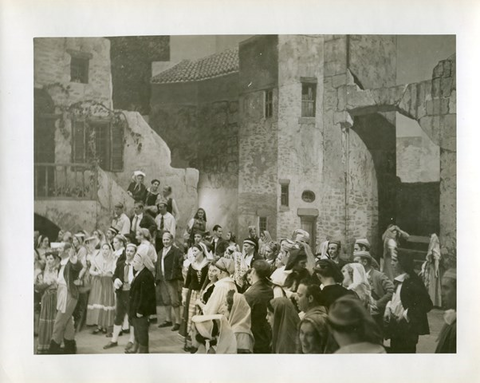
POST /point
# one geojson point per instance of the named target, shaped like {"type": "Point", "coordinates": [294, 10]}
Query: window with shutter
{"type": "Point", "coordinates": [79, 141]}
{"type": "Point", "coordinates": [116, 157]}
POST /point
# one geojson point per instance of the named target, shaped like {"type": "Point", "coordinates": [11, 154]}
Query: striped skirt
{"type": "Point", "coordinates": [48, 312]}
{"type": "Point", "coordinates": [101, 303]}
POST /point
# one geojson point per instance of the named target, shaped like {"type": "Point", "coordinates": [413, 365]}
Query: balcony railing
{"type": "Point", "coordinates": [65, 181]}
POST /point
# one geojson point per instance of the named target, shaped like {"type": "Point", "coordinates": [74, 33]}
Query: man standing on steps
{"type": "Point", "coordinates": [67, 297]}
{"type": "Point", "coordinates": [165, 223]}
{"type": "Point", "coordinates": [141, 220]}
{"type": "Point", "coordinates": [219, 245]}
{"type": "Point", "coordinates": [120, 221]}
{"type": "Point", "coordinates": [169, 281]}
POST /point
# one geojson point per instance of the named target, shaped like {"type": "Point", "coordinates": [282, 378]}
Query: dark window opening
{"type": "Point", "coordinates": [101, 141]}
{"type": "Point", "coordinates": [268, 103]}
{"type": "Point", "coordinates": [262, 224]}
{"type": "Point", "coordinates": [79, 70]}
{"type": "Point", "coordinates": [284, 195]}
{"type": "Point", "coordinates": [309, 97]}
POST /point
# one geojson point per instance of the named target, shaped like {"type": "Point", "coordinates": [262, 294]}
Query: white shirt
{"type": "Point", "coordinates": [395, 305]}
{"type": "Point", "coordinates": [164, 253]}
{"type": "Point", "coordinates": [122, 224]}
{"type": "Point", "coordinates": [248, 260]}
{"type": "Point", "coordinates": [61, 278]}
{"type": "Point", "coordinates": [138, 219]}
{"type": "Point", "coordinates": [169, 223]}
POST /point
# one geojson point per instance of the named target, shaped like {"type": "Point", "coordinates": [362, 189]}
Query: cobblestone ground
{"type": "Point", "coordinates": [163, 340]}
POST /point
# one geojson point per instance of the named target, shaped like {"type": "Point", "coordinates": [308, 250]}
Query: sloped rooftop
{"type": "Point", "coordinates": [216, 65]}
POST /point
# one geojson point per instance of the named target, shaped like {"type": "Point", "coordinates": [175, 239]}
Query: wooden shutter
{"type": "Point", "coordinates": [79, 141]}
{"type": "Point", "coordinates": [116, 152]}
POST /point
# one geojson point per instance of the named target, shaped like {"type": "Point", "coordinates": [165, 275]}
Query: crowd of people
{"type": "Point", "coordinates": [222, 296]}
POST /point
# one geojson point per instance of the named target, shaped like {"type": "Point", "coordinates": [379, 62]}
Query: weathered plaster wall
{"type": "Point", "coordinates": [145, 150]}
{"type": "Point", "coordinates": [300, 139]}
{"type": "Point", "coordinates": [52, 65]}
{"type": "Point", "coordinates": [418, 159]}
{"type": "Point", "coordinates": [258, 135]}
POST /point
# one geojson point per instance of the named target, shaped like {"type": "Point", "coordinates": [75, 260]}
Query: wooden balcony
{"type": "Point", "coordinates": [77, 181]}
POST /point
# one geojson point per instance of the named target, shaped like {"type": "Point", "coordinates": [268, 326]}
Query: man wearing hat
{"type": "Point", "coordinates": [447, 340]}
{"type": "Point", "coordinates": [243, 261]}
{"type": "Point", "coordinates": [217, 302]}
{"type": "Point", "coordinates": [120, 220]}
{"type": "Point", "coordinates": [137, 189]}
{"type": "Point", "coordinates": [381, 286]}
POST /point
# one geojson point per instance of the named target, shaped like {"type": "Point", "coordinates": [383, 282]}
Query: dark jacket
{"type": "Point", "coordinates": [331, 293]}
{"type": "Point", "coordinates": [142, 294]}
{"type": "Point", "coordinates": [447, 339]}
{"type": "Point", "coordinates": [70, 273]}
{"type": "Point", "coordinates": [147, 222]}
{"type": "Point", "coordinates": [382, 289]}
{"type": "Point", "coordinates": [120, 269]}
{"type": "Point", "coordinates": [138, 193]}
{"type": "Point", "coordinates": [258, 296]}
{"type": "Point", "coordinates": [415, 298]}
{"type": "Point", "coordinates": [220, 248]}
{"type": "Point", "coordinates": [172, 264]}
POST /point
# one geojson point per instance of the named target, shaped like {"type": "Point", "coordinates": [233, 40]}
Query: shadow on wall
{"type": "Point", "coordinates": [45, 227]}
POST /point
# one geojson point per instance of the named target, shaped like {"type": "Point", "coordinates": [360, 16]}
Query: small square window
{"type": "Point", "coordinates": [268, 103]}
{"type": "Point", "coordinates": [309, 98]}
{"type": "Point", "coordinates": [79, 70]}
{"type": "Point", "coordinates": [284, 195]}
{"type": "Point", "coordinates": [262, 224]}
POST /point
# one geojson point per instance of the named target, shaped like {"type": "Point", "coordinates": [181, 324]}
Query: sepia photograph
{"type": "Point", "coordinates": [220, 193]}
{"type": "Point", "coordinates": [251, 178]}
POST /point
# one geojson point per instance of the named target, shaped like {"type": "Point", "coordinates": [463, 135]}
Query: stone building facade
{"type": "Point", "coordinates": [86, 152]}
{"type": "Point", "coordinates": [305, 134]}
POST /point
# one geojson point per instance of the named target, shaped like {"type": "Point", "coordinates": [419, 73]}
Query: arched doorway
{"type": "Point", "coordinates": [45, 227]}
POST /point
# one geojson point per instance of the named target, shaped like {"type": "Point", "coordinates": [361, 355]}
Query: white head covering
{"type": "Point", "coordinates": [138, 173]}
{"type": "Point", "coordinates": [226, 341]}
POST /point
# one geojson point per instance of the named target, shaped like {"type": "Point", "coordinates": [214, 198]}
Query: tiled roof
{"type": "Point", "coordinates": [218, 64]}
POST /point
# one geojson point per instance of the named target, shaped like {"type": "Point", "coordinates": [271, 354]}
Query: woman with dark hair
{"type": "Point", "coordinates": [153, 193]}
{"type": "Point", "coordinates": [232, 241]}
{"type": "Point", "coordinates": [406, 314]}
{"type": "Point", "coordinates": [239, 317]}
{"type": "Point", "coordinates": [198, 224]}
{"type": "Point", "coordinates": [331, 278]}
{"type": "Point", "coordinates": [209, 284]}
{"type": "Point", "coordinates": [313, 334]}
{"type": "Point", "coordinates": [297, 271]}
{"type": "Point", "coordinates": [353, 328]}
{"type": "Point", "coordinates": [283, 319]}
{"type": "Point", "coordinates": [43, 244]}
{"type": "Point", "coordinates": [196, 277]}
{"type": "Point", "coordinates": [46, 285]}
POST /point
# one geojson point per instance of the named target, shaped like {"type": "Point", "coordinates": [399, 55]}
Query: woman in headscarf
{"type": "Point", "coordinates": [239, 317]}
{"type": "Point", "coordinates": [213, 335]}
{"type": "Point", "coordinates": [353, 328]}
{"type": "Point", "coordinates": [142, 302]}
{"type": "Point", "coordinates": [431, 271]}
{"type": "Point", "coordinates": [137, 189]}
{"type": "Point", "coordinates": [47, 285]}
{"type": "Point", "coordinates": [283, 319]}
{"type": "Point", "coordinates": [390, 239]}
{"type": "Point", "coordinates": [265, 239]}
{"type": "Point", "coordinates": [101, 303]}
{"type": "Point", "coordinates": [198, 224]}
{"type": "Point", "coordinates": [209, 284]}
{"type": "Point", "coordinates": [355, 279]}
{"type": "Point", "coordinates": [196, 277]}
{"type": "Point", "coordinates": [313, 334]}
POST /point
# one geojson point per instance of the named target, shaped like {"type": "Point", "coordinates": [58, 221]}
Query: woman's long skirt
{"type": "Point", "coordinates": [101, 303]}
{"type": "Point", "coordinates": [48, 313]}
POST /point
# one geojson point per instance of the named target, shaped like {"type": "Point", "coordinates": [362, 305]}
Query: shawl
{"type": "Point", "coordinates": [318, 319]}
{"type": "Point", "coordinates": [225, 340]}
{"type": "Point", "coordinates": [240, 315]}
{"type": "Point", "coordinates": [285, 324]}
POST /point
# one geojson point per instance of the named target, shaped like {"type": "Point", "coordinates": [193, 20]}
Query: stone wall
{"type": "Point", "coordinates": [52, 66]}
{"type": "Point", "coordinates": [300, 139]}
{"type": "Point", "coordinates": [418, 159]}
{"type": "Point", "coordinates": [258, 135]}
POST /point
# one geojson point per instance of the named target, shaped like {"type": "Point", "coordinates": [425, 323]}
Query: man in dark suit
{"type": "Point", "coordinates": [169, 280]}
{"type": "Point", "coordinates": [406, 314]}
{"type": "Point", "coordinates": [67, 298]}
{"type": "Point", "coordinates": [258, 297]}
{"type": "Point", "coordinates": [381, 286]}
{"type": "Point", "coordinates": [141, 219]}
{"type": "Point", "coordinates": [219, 245]}
{"type": "Point", "coordinates": [142, 301]}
